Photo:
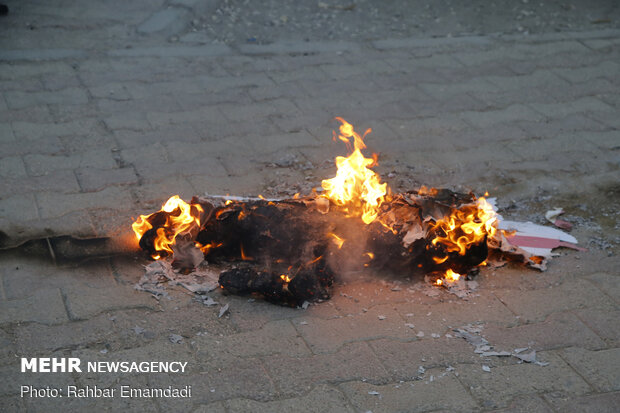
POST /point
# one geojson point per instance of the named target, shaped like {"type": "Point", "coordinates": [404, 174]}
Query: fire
{"type": "Point", "coordinates": [337, 240]}
{"type": "Point", "coordinates": [449, 277]}
{"type": "Point", "coordinates": [285, 278]}
{"type": "Point", "coordinates": [179, 218]}
{"type": "Point", "coordinates": [355, 187]}
{"type": "Point", "coordinates": [466, 226]}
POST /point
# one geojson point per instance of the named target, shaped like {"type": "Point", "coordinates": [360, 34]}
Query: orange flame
{"type": "Point", "coordinates": [337, 240]}
{"type": "Point", "coordinates": [448, 278]}
{"type": "Point", "coordinates": [355, 186]}
{"type": "Point", "coordinates": [179, 218]}
{"type": "Point", "coordinates": [285, 278]}
{"type": "Point", "coordinates": [466, 226]}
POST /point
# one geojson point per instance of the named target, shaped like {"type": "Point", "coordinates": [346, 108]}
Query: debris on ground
{"type": "Point", "coordinates": [552, 216]}
{"type": "Point", "coordinates": [472, 335]}
{"type": "Point", "coordinates": [175, 338]}
{"type": "Point", "coordinates": [223, 311]}
{"type": "Point", "coordinates": [160, 273]}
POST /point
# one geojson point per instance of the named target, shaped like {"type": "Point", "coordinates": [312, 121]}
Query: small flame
{"type": "Point", "coordinates": [448, 278]}
{"type": "Point", "coordinates": [243, 256]}
{"type": "Point", "coordinates": [337, 240]}
{"type": "Point", "coordinates": [180, 217]}
{"type": "Point", "coordinates": [355, 186]}
{"type": "Point", "coordinates": [466, 226]}
{"type": "Point", "coordinates": [370, 255]}
{"type": "Point", "coordinates": [286, 278]}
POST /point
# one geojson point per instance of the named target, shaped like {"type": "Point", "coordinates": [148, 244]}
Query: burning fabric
{"type": "Point", "coordinates": [289, 250]}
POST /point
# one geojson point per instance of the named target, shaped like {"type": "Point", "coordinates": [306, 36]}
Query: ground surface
{"type": "Point", "coordinates": [108, 109]}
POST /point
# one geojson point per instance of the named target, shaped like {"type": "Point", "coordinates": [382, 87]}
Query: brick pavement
{"type": "Point", "coordinates": [91, 137]}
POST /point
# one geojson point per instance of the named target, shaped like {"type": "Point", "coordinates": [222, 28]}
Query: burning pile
{"type": "Point", "coordinates": [288, 250]}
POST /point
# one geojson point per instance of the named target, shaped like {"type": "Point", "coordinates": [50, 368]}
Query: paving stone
{"type": "Point", "coordinates": [6, 133]}
{"type": "Point", "coordinates": [530, 403]}
{"type": "Point", "coordinates": [297, 375]}
{"type": "Point", "coordinates": [411, 396]}
{"type": "Point", "coordinates": [595, 403]}
{"type": "Point", "coordinates": [161, 19]}
{"type": "Point", "coordinates": [30, 309]}
{"type": "Point", "coordinates": [403, 358]}
{"type": "Point", "coordinates": [320, 399]}
{"type": "Point", "coordinates": [276, 337]}
{"type": "Point", "coordinates": [329, 335]}
{"type": "Point", "coordinates": [159, 190]}
{"type": "Point", "coordinates": [53, 204]}
{"type": "Point", "coordinates": [537, 305]}
{"type": "Point", "coordinates": [582, 105]}
{"type": "Point", "coordinates": [12, 167]}
{"type": "Point", "coordinates": [602, 322]}
{"type": "Point", "coordinates": [61, 181]}
{"type": "Point", "coordinates": [18, 100]}
{"type": "Point", "coordinates": [586, 74]}
{"type": "Point", "coordinates": [14, 379]}
{"type": "Point", "coordinates": [600, 368]}
{"type": "Point", "coordinates": [217, 407]}
{"type": "Point", "coordinates": [33, 339]}
{"type": "Point", "coordinates": [92, 179]}
{"type": "Point", "coordinates": [33, 131]}
{"type": "Point", "coordinates": [504, 382]}
{"type": "Point", "coordinates": [557, 331]}
{"type": "Point", "coordinates": [514, 112]}
{"type": "Point", "coordinates": [42, 164]}
{"type": "Point", "coordinates": [84, 302]}
{"type": "Point", "coordinates": [18, 208]}
{"type": "Point", "coordinates": [608, 283]}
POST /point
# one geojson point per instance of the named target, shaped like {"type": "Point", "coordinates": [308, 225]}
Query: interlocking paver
{"type": "Point", "coordinates": [103, 122]}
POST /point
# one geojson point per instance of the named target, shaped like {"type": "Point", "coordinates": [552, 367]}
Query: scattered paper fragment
{"type": "Point", "coordinates": [552, 216]}
{"type": "Point", "coordinates": [175, 338]}
{"type": "Point", "coordinates": [382, 317]}
{"type": "Point", "coordinates": [486, 368]}
{"type": "Point", "coordinates": [208, 301]}
{"type": "Point", "coordinates": [409, 325]}
{"type": "Point", "coordinates": [374, 393]}
{"type": "Point", "coordinates": [305, 305]}
{"type": "Point", "coordinates": [420, 334]}
{"type": "Point", "coordinates": [303, 323]}
{"type": "Point", "coordinates": [223, 311]}
{"type": "Point", "coordinates": [138, 330]}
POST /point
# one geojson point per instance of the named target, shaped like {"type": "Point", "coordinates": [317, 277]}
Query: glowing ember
{"type": "Point", "coordinates": [448, 278]}
{"type": "Point", "coordinates": [466, 226]}
{"type": "Point", "coordinates": [286, 278]}
{"type": "Point", "coordinates": [337, 240]}
{"type": "Point", "coordinates": [355, 187]}
{"type": "Point", "coordinates": [180, 218]}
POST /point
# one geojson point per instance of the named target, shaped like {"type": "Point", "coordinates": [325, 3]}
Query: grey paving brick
{"type": "Point", "coordinates": [53, 204]}
{"type": "Point", "coordinates": [12, 167]}
{"type": "Point", "coordinates": [582, 105]}
{"type": "Point", "coordinates": [216, 407]}
{"type": "Point", "coordinates": [329, 335]}
{"type": "Point", "coordinates": [161, 19]}
{"type": "Point", "coordinates": [22, 70]}
{"type": "Point", "coordinates": [131, 121]}
{"type": "Point", "coordinates": [594, 403]}
{"type": "Point", "coordinates": [160, 189]}
{"type": "Point", "coordinates": [41, 113]}
{"type": "Point", "coordinates": [321, 398]}
{"type": "Point", "coordinates": [34, 131]}
{"type": "Point", "coordinates": [516, 112]}
{"type": "Point", "coordinates": [13, 378]}
{"type": "Point", "coordinates": [61, 181]}
{"type": "Point", "coordinates": [432, 43]}
{"type": "Point", "coordinates": [41, 54]}
{"type": "Point", "coordinates": [600, 368]}
{"type": "Point", "coordinates": [531, 403]}
{"type": "Point", "coordinates": [18, 207]}
{"type": "Point", "coordinates": [84, 302]}
{"type": "Point", "coordinates": [606, 69]}
{"type": "Point", "coordinates": [284, 47]}
{"type": "Point", "coordinates": [91, 179]}
{"type": "Point", "coordinates": [33, 339]}
{"type": "Point", "coordinates": [211, 50]}
{"type": "Point", "coordinates": [541, 149]}
{"type": "Point", "coordinates": [29, 309]}
{"type": "Point", "coordinates": [110, 91]}
{"type": "Point", "coordinates": [6, 133]}
{"type": "Point", "coordinates": [273, 338]}
{"type": "Point", "coordinates": [504, 382]}
{"type": "Point", "coordinates": [411, 396]}
{"type": "Point", "coordinates": [210, 114]}
{"type": "Point", "coordinates": [60, 81]}
{"type": "Point", "coordinates": [536, 305]}
{"type": "Point", "coordinates": [557, 331]}
{"type": "Point", "coordinates": [403, 358]}
{"type": "Point", "coordinates": [225, 379]}
{"type": "Point", "coordinates": [18, 100]}
{"type": "Point", "coordinates": [607, 140]}
{"type": "Point", "coordinates": [603, 323]}
{"type": "Point", "coordinates": [297, 375]}
{"type": "Point", "coordinates": [42, 164]}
